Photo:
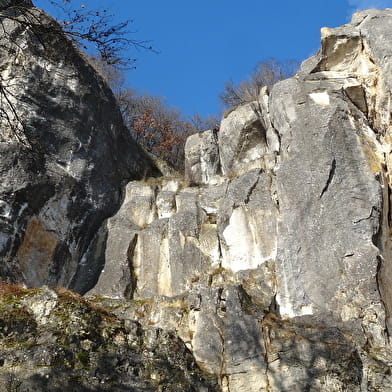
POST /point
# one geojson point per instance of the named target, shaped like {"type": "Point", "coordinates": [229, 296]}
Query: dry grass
{"type": "Point", "coordinates": [8, 288]}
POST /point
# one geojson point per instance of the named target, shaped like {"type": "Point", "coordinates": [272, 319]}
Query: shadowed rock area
{"type": "Point", "coordinates": [65, 154]}
{"type": "Point", "coordinates": [57, 341]}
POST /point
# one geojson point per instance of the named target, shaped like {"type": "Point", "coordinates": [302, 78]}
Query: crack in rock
{"type": "Point", "coordinates": [330, 177]}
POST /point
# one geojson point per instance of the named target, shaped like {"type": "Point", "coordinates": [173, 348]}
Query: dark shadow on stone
{"type": "Point", "coordinates": [311, 353]}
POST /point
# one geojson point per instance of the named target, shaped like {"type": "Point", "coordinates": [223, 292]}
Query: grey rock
{"type": "Point", "coordinates": [56, 340]}
{"type": "Point", "coordinates": [227, 341]}
{"type": "Point", "coordinates": [247, 222]}
{"type": "Point", "coordinates": [329, 200]}
{"type": "Point", "coordinates": [280, 271]}
{"type": "Point", "coordinates": [9, 4]}
{"type": "Point", "coordinates": [246, 141]}
{"type": "Point", "coordinates": [212, 197]}
{"type": "Point", "coordinates": [259, 286]}
{"type": "Point", "coordinates": [139, 203]}
{"type": "Point", "coordinates": [202, 165]}
{"type": "Point", "coordinates": [150, 261]}
{"type": "Point", "coordinates": [65, 156]}
{"type": "Point", "coordinates": [310, 357]}
{"type": "Point", "coordinates": [367, 41]}
{"type": "Point", "coordinates": [119, 243]}
{"type": "Point", "coordinates": [270, 260]}
{"type": "Point", "coordinates": [324, 121]}
{"type": "Point", "coordinates": [166, 204]}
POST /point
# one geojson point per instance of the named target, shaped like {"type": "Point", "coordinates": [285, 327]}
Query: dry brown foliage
{"type": "Point", "coordinates": [7, 288]}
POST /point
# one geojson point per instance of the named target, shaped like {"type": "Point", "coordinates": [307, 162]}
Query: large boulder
{"type": "Point", "coordinates": [202, 164]}
{"type": "Point", "coordinates": [65, 155]}
{"type": "Point", "coordinates": [247, 139]}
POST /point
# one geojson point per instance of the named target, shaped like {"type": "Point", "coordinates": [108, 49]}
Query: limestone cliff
{"type": "Point", "coordinates": [271, 259]}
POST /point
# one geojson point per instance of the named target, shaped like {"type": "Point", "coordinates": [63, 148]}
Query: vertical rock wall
{"type": "Point", "coordinates": [274, 266]}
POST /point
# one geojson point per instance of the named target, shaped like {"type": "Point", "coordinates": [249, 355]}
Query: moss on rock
{"type": "Point", "coordinates": [51, 339]}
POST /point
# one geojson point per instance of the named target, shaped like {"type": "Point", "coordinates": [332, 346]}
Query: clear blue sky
{"type": "Point", "coordinates": [204, 43]}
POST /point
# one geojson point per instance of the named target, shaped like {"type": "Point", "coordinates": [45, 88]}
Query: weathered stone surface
{"type": "Point", "coordinates": [56, 340]}
{"type": "Point", "coordinates": [119, 241]}
{"type": "Point", "coordinates": [247, 222]}
{"type": "Point", "coordinates": [367, 42]}
{"type": "Point", "coordinates": [278, 272]}
{"type": "Point", "coordinates": [329, 203]}
{"type": "Point", "coordinates": [227, 341]}
{"type": "Point", "coordinates": [246, 140]}
{"type": "Point", "coordinates": [195, 232]}
{"type": "Point", "coordinates": [271, 259]}
{"type": "Point", "coordinates": [218, 327]}
{"type": "Point", "coordinates": [202, 165]}
{"type": "Point", "coordinates": [249, 348]}
{"type": "Point", "coordinates": [5, 4]}
{"type": "Point", "coordinates": [305, 357]}
{"type": "Point", "coordinates": [65, 155]}
{"type": "Point", "coordinates": [331, 136]}
{"type": "Point", "coordinates": [185, 252]}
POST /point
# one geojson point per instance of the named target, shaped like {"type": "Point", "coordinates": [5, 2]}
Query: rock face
{"type": "Point", "coordinates": [247, 138]}
{"type": "Point", "coordinates": [56, 341]}
{"type": "Point", "coordinates": [202, 163]}
{"type": "Point", "coordinates": [8, 5]}
{"type": "Point", "coordinates": [273, 262]}
{"type": "Point", "coordinates": [270, 260]}
{"type": "Point", "coordinates": [65, 155]}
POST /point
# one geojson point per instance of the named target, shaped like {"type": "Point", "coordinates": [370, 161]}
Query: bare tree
{"type": "Point", "coordinates": [92, 28]}
{"type": "Point", "coordinates": [265, 73]}
{"type": "Point", "coordinates": [157, 127]}
{"type": "Point", "coordinates": [87, 28]}
{"type": "Point", "coordinates": [201, 123]}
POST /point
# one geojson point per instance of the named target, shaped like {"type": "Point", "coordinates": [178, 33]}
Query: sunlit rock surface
{"type": "Point", "coordinates": [273, 263]}
{"type": "Point", "coordinates": [247, 139]}
{"type": "Point", "coordinates": [202, 165]}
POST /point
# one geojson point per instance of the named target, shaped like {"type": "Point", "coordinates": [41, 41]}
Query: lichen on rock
{"type": "Point", "coordinates": [55, 339]}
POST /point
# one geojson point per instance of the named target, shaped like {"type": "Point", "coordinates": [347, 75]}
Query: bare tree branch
{"type": "Point", "coordinates": [265, 73]}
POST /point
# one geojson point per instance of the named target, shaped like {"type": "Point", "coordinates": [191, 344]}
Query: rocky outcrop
{"type": "Point", "coordinates": [202, 164]}
{"type": "Point", "coordinates": [272, 263]}
{"type": "Point", "coordinates": [6, 4]}
{"type": "Point", "coordinates": [247, 138]}
{"type": "Point", "coordinates": [65, 155]}
{"type": "Point", "coordinates": [57, 341]}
